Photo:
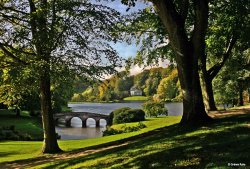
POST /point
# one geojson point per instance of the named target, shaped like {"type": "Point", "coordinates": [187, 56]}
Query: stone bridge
{"type": "Point", "coordinates": [67, 116]}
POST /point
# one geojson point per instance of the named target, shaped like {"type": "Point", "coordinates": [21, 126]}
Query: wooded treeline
{"type": "Point", "coordinates": [155, 83]}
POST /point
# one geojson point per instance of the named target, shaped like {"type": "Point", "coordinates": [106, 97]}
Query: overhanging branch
{"type": "Point", "coordinates": [7, 52]}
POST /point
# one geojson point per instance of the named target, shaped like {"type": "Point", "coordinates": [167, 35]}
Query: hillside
{"type": "Point", "coordinates": [161, 83]}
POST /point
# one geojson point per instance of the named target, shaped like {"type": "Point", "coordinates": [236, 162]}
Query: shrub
{"type": "Point", "coordinates": [125, 129]}
{"type": "Point", "coordinates": [136, 115]}
{"type": "Point", "coordinates": [126, 115]}
{"type": "Point", "coordinates": [116, 112]}
{"type": "Point", "coordinates": [154, 108]}
{"type": "Point", "coordinates": [111, 131]}
{"type": "Point", "coordinates": [9, 133]}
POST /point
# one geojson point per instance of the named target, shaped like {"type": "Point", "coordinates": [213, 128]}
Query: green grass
{"type": "Point", "coordinates": [23, 124]}
{"type": "Point", "coordinates": [173, 146]}
{"type": "Point", "coordinates": [213, 146]}
{"type": "Point", "coordinates": [12, 150]}
{"type": "Point", "coordinates": [15, 150]}
{"type": "Point", "coordinates": [136, 98]}
{"type": "Point", "coordinates": [66, 109]}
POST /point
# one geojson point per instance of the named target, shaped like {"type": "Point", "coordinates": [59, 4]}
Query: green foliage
{"type": "Point", "coordinates": [154, 108]}
{"type": "Point", "coordinates": [9, 133]}
{"type": "Point", "coordinates": [24, 127]}
{"type": "Point", "coordinates": [228, 86]}
{"type": "Point", "coordinates": [168, 87]}
{"type": "Point", "coordinates": [124, 129]}
{"type": "Point", "coordinates": [111, 131]}
{"type": "Point", "coordinates": [118, 86]}
{"type": "Point", "coordinates": [126, 115]}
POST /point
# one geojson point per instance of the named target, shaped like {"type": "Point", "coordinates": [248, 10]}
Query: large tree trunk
{"type": "Point", "coordinates": [187, 51]}
{"type": "Point", "coordinates": [208, 93]}
{"type": "Point", "coordinates": [193, 107]}
{"type": "Point", "coordinates": [50, 140]}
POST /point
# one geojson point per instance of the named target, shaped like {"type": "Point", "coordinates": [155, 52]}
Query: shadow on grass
{"type": "Point", "coordinates": [5, 154]}
{"type": "Point", "coordinates": [215, 145]}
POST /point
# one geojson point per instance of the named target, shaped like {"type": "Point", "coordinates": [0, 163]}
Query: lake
{"type": "Point", "coordinates": [76, 132]}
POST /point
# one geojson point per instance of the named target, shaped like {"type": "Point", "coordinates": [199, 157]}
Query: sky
{"type": "Point", "coordinates": [129, 50]}
{"type": "Point", "coordinates": [125, 50]}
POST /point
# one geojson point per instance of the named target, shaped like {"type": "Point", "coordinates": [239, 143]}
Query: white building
{"type": "Point", "coordinates": [134, 91]}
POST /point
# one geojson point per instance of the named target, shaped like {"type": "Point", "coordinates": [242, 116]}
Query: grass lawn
{"type": "Point", "coordinates": [136, 98]}
{"type": "Point", "coordinates": [212, 146]}
{"type": "Point", "coordinates": [12, 150]}
{"type": "Point", "coordinates": [226, 141]}
{"type": "Point", "coordinates": [23, 124]}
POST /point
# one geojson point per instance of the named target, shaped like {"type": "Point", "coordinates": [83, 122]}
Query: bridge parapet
{"type": "Point", "coordinates": [67, 116]}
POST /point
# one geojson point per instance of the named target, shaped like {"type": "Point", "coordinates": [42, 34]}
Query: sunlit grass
{"type": "Point", "coordinates": [212, 146]}
{"type": "Point", "coordinates": [168, 145]}
{"type": "Point", "coordinates": [16, 150]}
{"type": "Point", "coordinates": [136, 98]}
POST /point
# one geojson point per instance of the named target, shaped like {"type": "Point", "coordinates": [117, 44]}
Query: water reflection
{"type": "Point", "coordinates": [76, 132]}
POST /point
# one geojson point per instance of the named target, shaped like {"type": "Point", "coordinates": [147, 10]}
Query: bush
{"type": "Point", "coordinates": [115, 113]}
{"type": "Point", "coordinates": [125, 129]}
{"type": "Point", "coordinates": [136, 115]}
{"type": "Point", "coordinates": [126, 115]}
{"type": "Point", "coordinates": [154, 108]}
{"type": "Point", "coordinates": [111, 131]}
{"type": "Point", "coordinates": [9, 133]}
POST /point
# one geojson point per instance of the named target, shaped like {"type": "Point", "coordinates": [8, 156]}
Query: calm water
{"type": "Point", "coordinates": [76, 132]}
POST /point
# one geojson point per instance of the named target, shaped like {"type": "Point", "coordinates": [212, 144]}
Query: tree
{"type": "Point", "coordinates": [16, 87]}
{"type": "Point", "coordinates": [230, 24]}
{"type": "Point", "coordinates": [140, 79]}
{"type": "Point", "coordinates": [123, 84]}
{"type": "Point", "coordinates": [168, 88]}
{"type": "Point", "coordinates": [44, 33]}
{"type": "Point", "coordinates": [228, 86]}
{"type": "Point", "coordinates": [188, 43]}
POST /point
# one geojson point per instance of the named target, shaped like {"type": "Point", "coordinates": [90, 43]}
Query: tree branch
{"type": "Point", "coordinates": [12, 9]}
{"type": "Point", "coordinates": [213, 71]}
{"type": "Point", "coordinates": [32, 20]}
{"type": "Point", "coordinates": [184, 9]}
{"type": "Point", "coordinates": [174, 23]}
{"type": "Point", "coordinates": [18, 50]}
{"type": "Point", "coordinates": [11, 55]}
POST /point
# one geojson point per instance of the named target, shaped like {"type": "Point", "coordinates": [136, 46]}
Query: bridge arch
{"type": "Point", "coordinates": [84, 116]}
{"type": "Point", "coordinates": [77, 120]}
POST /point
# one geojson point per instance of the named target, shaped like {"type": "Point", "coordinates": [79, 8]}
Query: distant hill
{"type": "Point", "coordinates": [159, 83]}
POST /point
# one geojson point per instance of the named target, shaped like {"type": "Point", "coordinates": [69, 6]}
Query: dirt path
{"type": "Point", "coordinates": [28, 163]}
{"type": "Point", "coordinates": [226, 113]}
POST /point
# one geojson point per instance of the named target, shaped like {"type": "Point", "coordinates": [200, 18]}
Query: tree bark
{"type": "Point", "coordinates": [187, 52]}
{"type": "Point", "coordinates": [209, 75]}
{"type": "Point", "coordinates": [50, 139]}
{"type": "Point", "coordinates": [208, 93]}
{"type": "Point", "coordinates": [193, 107]}
{"type": "Point", "coordinates": [18, 112]}
{"type": "Point", "coordinates": [241, 101]}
